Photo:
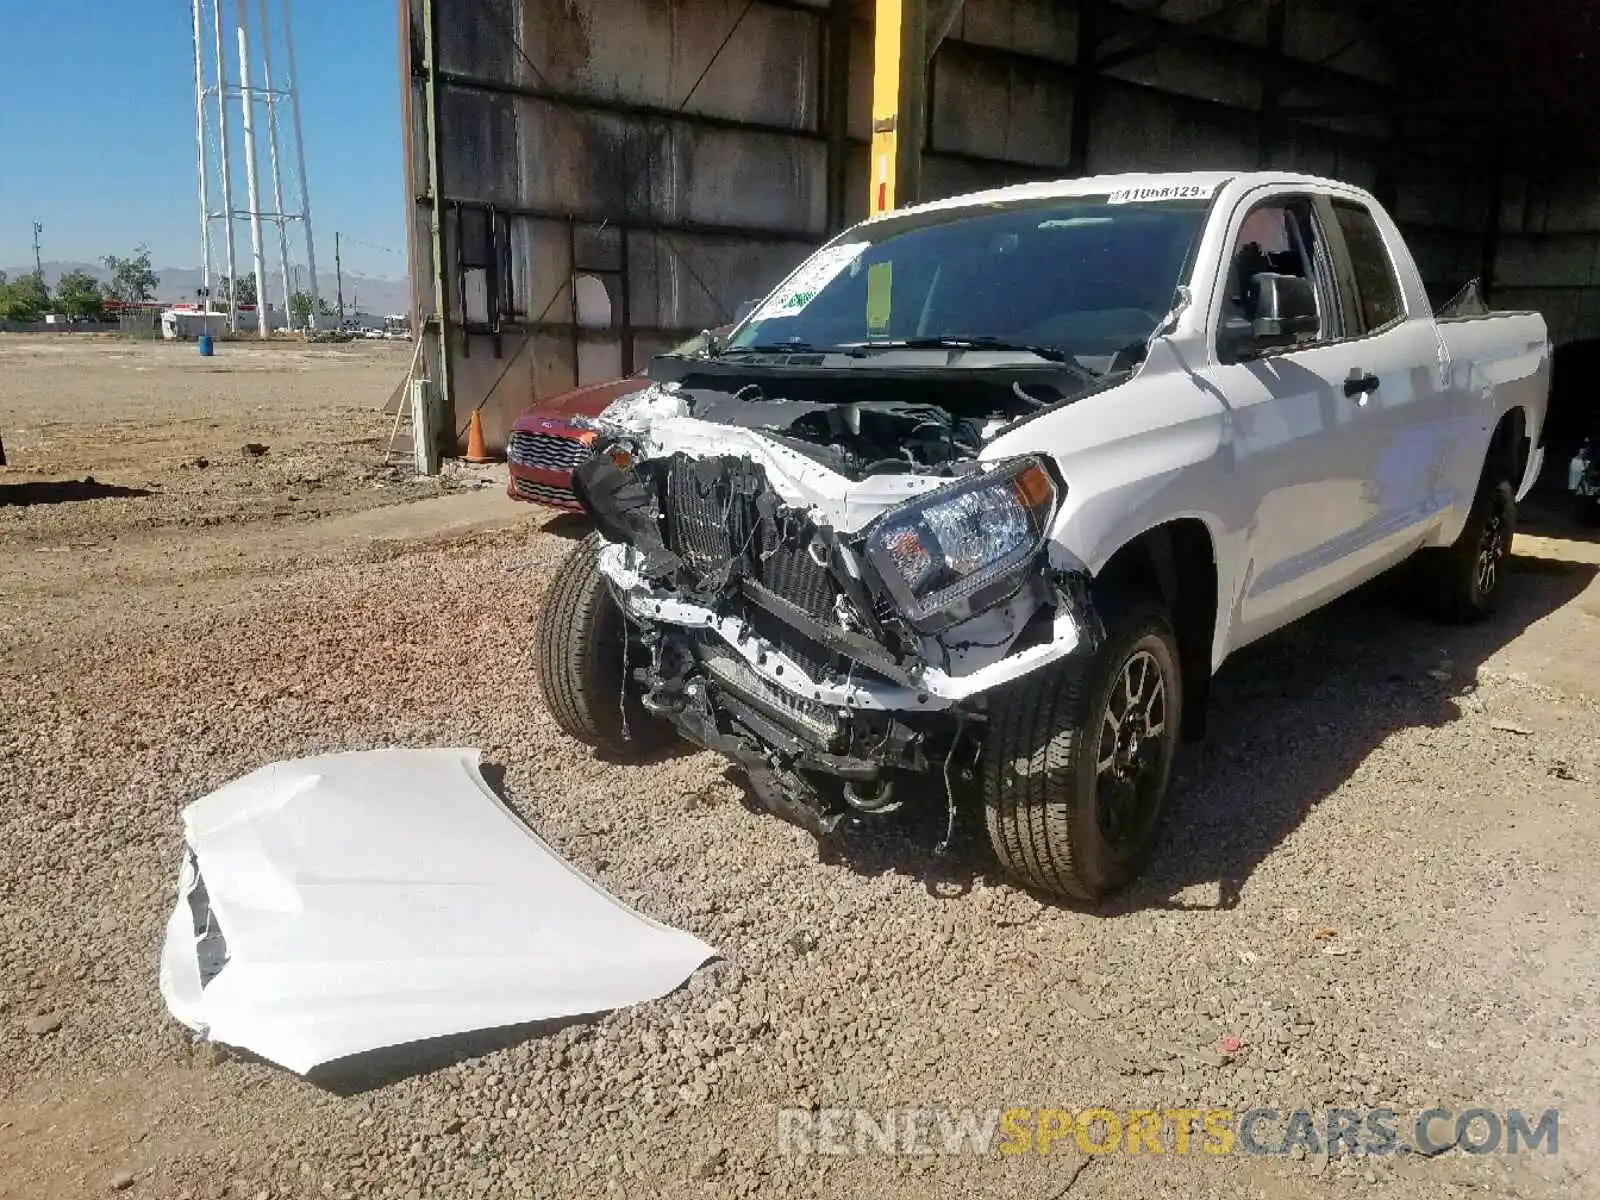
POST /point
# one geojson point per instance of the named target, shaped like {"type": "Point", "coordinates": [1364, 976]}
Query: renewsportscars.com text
{"type": "Point", "coordinates": [1262, 1132]}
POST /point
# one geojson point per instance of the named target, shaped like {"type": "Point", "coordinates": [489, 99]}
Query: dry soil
{"type": "Point", "coordinates": [1376, 885]}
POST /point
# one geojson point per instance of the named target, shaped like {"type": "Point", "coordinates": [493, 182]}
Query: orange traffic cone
{"type": "Point", "coordinates": [475, 450]}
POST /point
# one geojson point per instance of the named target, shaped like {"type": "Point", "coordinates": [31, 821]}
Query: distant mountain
{"type": "Point", "coordinates": [178, 285]}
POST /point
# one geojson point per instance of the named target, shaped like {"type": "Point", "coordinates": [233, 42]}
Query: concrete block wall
{"type": "Point", "coordinates": [1548, 255]}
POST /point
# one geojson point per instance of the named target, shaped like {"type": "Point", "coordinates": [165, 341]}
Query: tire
{"type": "Point", "coordinates": [1046, 799]}
{"type": "Point", "coordinates": [1463, 581]}
{"type": "Point", "coordinates": [582, 638]}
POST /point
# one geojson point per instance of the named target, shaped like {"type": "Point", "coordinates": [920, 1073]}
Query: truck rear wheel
{"type": "Point", "coordinates": [1079, 759]}
{"type": "Point", "coordinates": [1463, 581]}
{"type": "Point", "coordinates": [579, 661]}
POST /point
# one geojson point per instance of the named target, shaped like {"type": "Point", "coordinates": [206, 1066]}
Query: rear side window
{"type": "Point", "coordinates": [1369, 257]}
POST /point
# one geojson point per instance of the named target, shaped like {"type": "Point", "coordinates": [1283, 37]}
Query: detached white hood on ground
{"type": "Point", "coordinates": [349, 902]}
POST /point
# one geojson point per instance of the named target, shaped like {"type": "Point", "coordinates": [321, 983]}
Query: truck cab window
{"type": "Point", "coordinates": [1280, 237]}
{"type": "Point", "coordinates": [1379, 289]}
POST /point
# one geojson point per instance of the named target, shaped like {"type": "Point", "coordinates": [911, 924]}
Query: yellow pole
{"type": "Point", "coordinates": [887, 39]}
{"type": "Point", "coordinates": [899, 74]}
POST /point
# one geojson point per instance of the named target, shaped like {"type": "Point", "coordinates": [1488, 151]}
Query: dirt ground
{"type": "Point", "coordinates": [1376, 886]}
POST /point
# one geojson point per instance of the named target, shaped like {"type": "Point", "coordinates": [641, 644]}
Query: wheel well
{"type": "Point", "coordinates": [1177, 564]}
{"type": "Point", "coordinates": [1507, 456]}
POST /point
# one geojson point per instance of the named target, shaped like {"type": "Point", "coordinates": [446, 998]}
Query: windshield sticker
{"type": "Point", "coordinates": [1149, 195]}
{"type": "Point", "coordinates": [801, 288]}
{"type": "Point", "coordinates": [880, 298]}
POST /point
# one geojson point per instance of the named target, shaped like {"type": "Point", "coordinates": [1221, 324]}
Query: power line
{"type": "Point", "coordinates": [372, 245]}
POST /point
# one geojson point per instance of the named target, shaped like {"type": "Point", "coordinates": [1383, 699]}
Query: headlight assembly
{"type": "Point", "coordinates": [960, 549]}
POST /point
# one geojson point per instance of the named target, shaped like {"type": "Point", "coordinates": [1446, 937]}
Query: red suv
{"type": "Point", "coordinates": [545, 445]}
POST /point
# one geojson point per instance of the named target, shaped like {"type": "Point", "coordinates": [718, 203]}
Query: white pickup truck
{"type": "Point", "coordinates": [989, 488]}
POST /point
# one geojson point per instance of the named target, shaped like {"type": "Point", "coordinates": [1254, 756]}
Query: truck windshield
{"type": "Point", "coordinates": [1083, 275]}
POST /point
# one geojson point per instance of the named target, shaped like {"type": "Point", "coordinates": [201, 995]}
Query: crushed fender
{"type": "Point", "coordinates": [335, 905]}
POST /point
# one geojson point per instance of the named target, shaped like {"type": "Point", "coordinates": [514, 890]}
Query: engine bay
{"type": "Point", "coordinates": [860, 424]}
{"type": "Point", "coordinates": [867, 437]}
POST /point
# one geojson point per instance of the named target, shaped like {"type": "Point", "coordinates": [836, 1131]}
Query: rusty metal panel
{"type": "Point", "coordinates": [1210, 71]}
{"type": "Point", "coordinates": [685, 283]}
{"type": "Point", "coordinates": [1317, 152]}
{"type": "Point", "coordinates": [858, 123]}
{"type": "Point", "coordinates": [1567, 201]}
{"type": "Point", "coordinates": [482, 144]}
{"type": "Point", "coordinates": [1568, 261]}
{"type": "Point", "coordinates": [542, 268]}
{"type": "Point", "coordinates": [1440, 193]}
{"type": "Point", "coordinates": [599, 361]}
{"type": "Point", "coordinates": [943, 177]}
{"type": "Point", "coordinates": [1003, 108]}
{"type": "Point", "coordinates": [1344, 107]}
{"type": "Point", "coordinates": [1047, 28]}
{"type": "Point", "coordinates": [1241, 22]}
{"type": "Point", "coordinates": [1135, 129]}
{"type": "Point", "coordinates": [1446, 259]}
{"type": "Point", "coordinates": [1334, 35]}
{"type": "Point", "coordinates": [645, 52]}
{"type": "Point", "coordinates": [720, 176]}
{"type": "Point", "coordinates": [519, 152]}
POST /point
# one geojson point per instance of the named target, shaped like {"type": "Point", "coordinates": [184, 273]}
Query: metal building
{"type": "Point", "coordinates": [590, 181]}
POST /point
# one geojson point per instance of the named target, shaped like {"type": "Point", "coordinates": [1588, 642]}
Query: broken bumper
{"type": "Point", "coordinates": [923, 689]}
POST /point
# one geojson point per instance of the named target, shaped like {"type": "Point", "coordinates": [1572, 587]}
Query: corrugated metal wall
{"type": "Point", "coordinates": [677, 157]}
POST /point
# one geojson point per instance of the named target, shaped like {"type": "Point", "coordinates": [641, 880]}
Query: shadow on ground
{"type": "Point", "coordinates": [570, 525]}
{"type": "Point", "coordinates": [65, 491]}
{"type": "Point", "coordinates": [1292, 717]}
{"type": "Point", "coordinates": [379, 1068]}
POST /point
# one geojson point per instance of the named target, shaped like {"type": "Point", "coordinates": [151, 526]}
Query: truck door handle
{"type": "Point", "coordinates": [1360, 382]}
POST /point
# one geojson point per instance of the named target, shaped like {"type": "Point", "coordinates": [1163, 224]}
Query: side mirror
{"type": "Point", "coordinates": [744, 310]}
{"type": "Point", "coordinates": [1282, 308]}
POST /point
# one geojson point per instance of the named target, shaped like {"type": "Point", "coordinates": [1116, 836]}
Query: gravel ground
{"type": "Point", "coordinates": [1376, 886]}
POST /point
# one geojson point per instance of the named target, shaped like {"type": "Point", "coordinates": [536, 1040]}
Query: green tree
{"type": "Point", "coordinates": [300, 307]}
{"type": "Point", "coordinates": [241, 291]}
{"type": "Point", "coordinates": [25, 300]}
{"type": "Point", "coordinates": [132, 280]}
{"type": "Point", "coordinates": [80, 297]}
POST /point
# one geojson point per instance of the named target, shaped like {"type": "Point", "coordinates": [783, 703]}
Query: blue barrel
{"type": "Point", "coordinates": [205, 345]}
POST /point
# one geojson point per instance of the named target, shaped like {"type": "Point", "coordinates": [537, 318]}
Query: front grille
{"type": "Point", "coordinates": [545, 450]}
{"type": "Point", "coordinates": [543, 492]}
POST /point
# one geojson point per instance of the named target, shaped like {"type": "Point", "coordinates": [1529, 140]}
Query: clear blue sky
{"type": "Point", "coordinates": [97, 130]}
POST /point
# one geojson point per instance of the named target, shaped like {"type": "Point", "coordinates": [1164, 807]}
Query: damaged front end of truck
{"type": "Point", "coordinates": [828, 593]}
{"type": "Point", "coordinates": [829, 548]}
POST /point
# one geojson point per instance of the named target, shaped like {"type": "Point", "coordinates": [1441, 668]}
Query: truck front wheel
{"type": "Point", "coordinates": [1079, 759]}
{"type": "Point", "coordinates": [582, 644]}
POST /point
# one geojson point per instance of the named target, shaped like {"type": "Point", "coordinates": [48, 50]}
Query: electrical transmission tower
{"type": "Point", "coordinates": [228, 111]}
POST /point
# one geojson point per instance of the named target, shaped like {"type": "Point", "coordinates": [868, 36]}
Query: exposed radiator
{"type": "Point", "coordinates": [711, 519]}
